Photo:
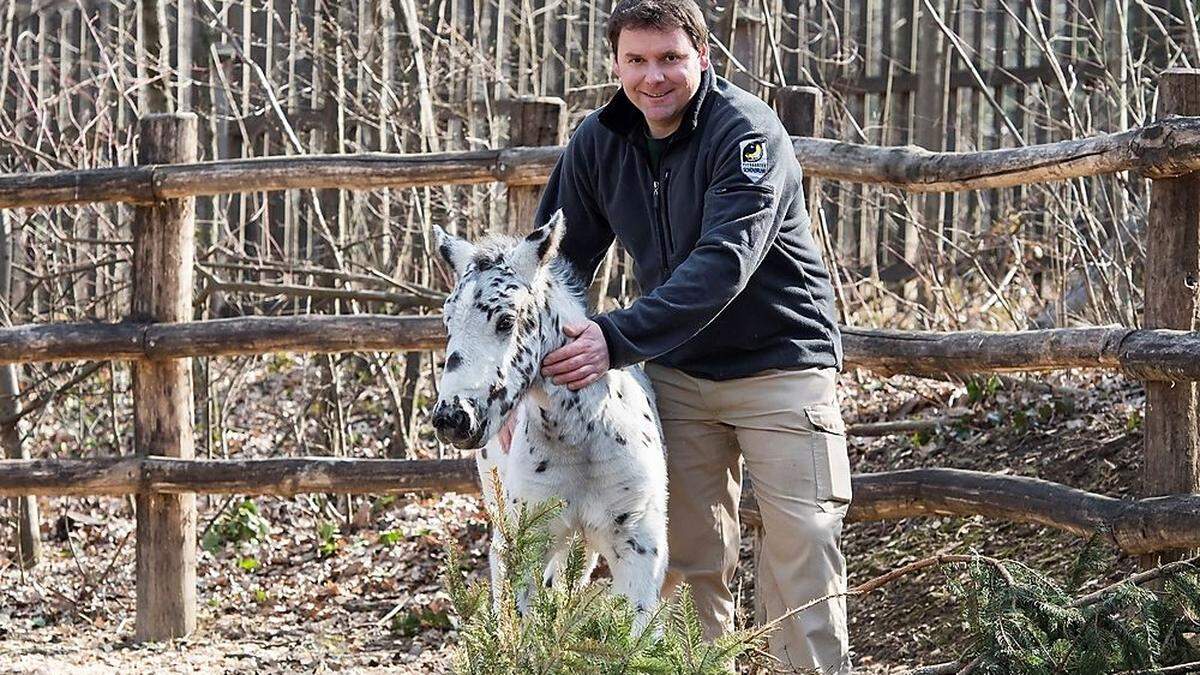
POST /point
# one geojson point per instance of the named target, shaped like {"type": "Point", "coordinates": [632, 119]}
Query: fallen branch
{"type": "Point", "coordinates": [1192, 667]}
{"type": "Point", "coordinates": [888, 577]}
{"type": "Point", "coordinates": [946, 668]}
{"type": "Point", "coordinates": [1139, 578]}
{"type": "Point", "coordinates": [905, 426]}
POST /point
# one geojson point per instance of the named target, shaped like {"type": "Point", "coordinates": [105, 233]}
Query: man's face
{"type": "Point", "coordinates": [660, 72]}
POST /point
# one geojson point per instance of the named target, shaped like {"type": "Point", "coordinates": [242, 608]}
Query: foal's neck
{"type": "Point", "coordinates": [563, 308]}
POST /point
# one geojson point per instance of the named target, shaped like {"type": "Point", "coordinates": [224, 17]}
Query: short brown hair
{"type": "Point", "coordinates": [664, 15]}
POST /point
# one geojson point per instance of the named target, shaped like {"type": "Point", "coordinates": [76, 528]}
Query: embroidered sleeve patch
{"type": "Point", "coordinates": [754, 159]}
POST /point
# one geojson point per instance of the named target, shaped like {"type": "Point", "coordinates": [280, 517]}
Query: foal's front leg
{"type": "Point", "coordinates": [488, 461]}
{"type": "Point", "coordinates": [556, 565]}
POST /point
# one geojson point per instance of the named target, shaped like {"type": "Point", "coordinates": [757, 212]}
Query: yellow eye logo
{"type": "Point", "coordinates": [753, 152]}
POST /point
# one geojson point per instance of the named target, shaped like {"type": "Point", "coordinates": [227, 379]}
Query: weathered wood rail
{"type": "Point", "coordinates": [1145, 354]}
{"type": "Point", "coordinates": [1154, 355]}
{"type": "Point", "coordinates": [148, 184]}
{"type": "Point", "coordinates": [1134, 526]}
{"type": "Point", "coordinates": [1162, 149]}
{"type": "Point", "coordinates": [275, 476]}
{"type": "Point", "coordinates": [1166, 353]}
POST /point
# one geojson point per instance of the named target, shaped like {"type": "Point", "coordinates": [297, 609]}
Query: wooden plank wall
{"type": "Point", "coordinates": [864, 53]}
{"type": "Point", "coordinates": [397, 75]}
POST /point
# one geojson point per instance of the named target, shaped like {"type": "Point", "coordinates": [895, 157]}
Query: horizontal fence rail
{"type": "Point", "coordinates": [273, 476]}
{"type": "Point", "coordinates": [1156, 355]}
{"type": "Point", "coordinates": [1145, 354]}
{"type": "Point", "coordinates": [1135, 526]}
{"type": "Point", "coordinates": [1162, 149]}
{"type": "Point", "coordinates": [360, 171]}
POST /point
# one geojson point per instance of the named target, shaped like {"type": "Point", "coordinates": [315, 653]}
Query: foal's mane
{"type": "Point", "coordinates": [494, 248]}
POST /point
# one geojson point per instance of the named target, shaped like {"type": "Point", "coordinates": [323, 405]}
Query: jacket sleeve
{"type": "Point", "coordinates": [588, 234]}
{"type": "Point", "coordinates": [741, 219]}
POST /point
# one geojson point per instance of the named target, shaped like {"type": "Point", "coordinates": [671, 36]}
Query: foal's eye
{"type": "Point", "coordinates": [505, 323]}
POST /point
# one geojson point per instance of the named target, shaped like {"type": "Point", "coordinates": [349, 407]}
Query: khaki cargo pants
{"type": "Point", "coordinates": [787, 428]}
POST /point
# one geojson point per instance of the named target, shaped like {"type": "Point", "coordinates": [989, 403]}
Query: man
{"type": "Point", "coordinates": [697, 179]}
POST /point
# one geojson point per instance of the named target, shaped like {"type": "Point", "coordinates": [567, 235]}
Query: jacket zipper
{"type": "Point", "coordinates": [658, 227]}
{"type": "Point", "coordinates": [657, 209]}
{"type": "Point", "coordinates": [664, 210]}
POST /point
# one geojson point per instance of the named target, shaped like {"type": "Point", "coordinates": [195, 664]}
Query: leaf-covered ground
{"type": "Point", "coordinates": [317, 584]}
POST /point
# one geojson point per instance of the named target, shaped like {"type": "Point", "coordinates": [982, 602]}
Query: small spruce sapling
{"type": "Point", "coordinates": [573, 627]}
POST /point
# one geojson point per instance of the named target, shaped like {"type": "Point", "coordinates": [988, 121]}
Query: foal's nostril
{"type": "Point", "coordinates": [443, 417]}
{"type": "Point", "coordinates": [452, 422]}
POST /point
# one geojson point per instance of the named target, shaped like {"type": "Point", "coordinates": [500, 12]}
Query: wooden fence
{"type": "Point", "coordinates": [158, 337]}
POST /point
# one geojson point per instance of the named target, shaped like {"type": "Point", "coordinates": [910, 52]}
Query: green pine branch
{"type": "Point", "coordinates": [1021, 622]}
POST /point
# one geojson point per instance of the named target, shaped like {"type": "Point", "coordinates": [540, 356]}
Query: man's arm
{"type": "Point", "coordinates": [741, 219]}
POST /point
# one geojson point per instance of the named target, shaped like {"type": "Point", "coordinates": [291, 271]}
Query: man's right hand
{"type": "Point", "coordinates": [506, 432]}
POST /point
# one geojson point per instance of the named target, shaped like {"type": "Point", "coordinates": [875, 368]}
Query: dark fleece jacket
{"type": "Point", "coordinates": [732, 280]}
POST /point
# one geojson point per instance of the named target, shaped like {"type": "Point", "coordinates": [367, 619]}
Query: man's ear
{"type": "Point", "coordinates": [538, 248]}
{"type": "Point", "coordinates": [456, 252]}
{"type": "Point", "coordinates": [704, 62]}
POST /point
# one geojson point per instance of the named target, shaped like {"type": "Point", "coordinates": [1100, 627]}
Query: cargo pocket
{"type": "Point", "coordinates": [831, 461]}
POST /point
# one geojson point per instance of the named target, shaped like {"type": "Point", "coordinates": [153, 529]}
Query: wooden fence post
{"type": "Point", "coordinates": [533, 121]}
{"type": "Point", "coordinates": [29, 543]}
{"type": "Point", "coordinates": [802, 111]}
{"type": "Point", "coordinates": [163, 250]}
{"type": "Point", "coordinates": [743, 24]}
{"type": "Point", "coordinates": [1172, 288]}
{"type": "Point", "coordinates": [929, 132]}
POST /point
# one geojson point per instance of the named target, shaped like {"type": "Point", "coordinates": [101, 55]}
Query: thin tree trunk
{"type": "Point", "coordinates": [29, 545]}
{"type": "Point", "coordinates": [412, 25]}
{"type": "Point", "coordinates": [156, 43]}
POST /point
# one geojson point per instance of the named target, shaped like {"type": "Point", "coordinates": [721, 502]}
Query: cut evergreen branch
{"type": "Point", "coordinates": [1020, 621]}
{"type": "Point", "coordinates": [1191, 667]}
{"type": "Point", "coordinates": [1167, 569]}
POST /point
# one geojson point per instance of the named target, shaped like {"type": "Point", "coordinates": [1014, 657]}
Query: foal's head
{"type": "Point", "coordinates": [493, 317]}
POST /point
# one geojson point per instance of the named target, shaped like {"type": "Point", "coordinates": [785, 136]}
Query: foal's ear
{"type": "Point", "coordinates": [539, 247]}
{"type": "Point", "coordinates": [455, 251]}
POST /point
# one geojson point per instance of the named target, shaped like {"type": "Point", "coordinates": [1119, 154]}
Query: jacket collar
{"type": "Point", "coordinates": [624, 119]}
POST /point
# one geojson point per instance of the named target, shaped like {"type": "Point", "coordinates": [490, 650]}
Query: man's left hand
{"type": "Point", "coordinates": [581, 361]}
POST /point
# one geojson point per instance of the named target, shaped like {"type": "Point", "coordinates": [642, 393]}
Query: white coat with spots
{"type": "Point", "coordinates": [600, 449]}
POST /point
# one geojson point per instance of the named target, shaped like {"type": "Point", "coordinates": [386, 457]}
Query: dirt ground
{"type": "Point", "coordinates": [325, 593]}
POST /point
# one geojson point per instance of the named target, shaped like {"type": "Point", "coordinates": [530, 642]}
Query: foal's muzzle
{"type": "Point", "coordinates": [458, 424]}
